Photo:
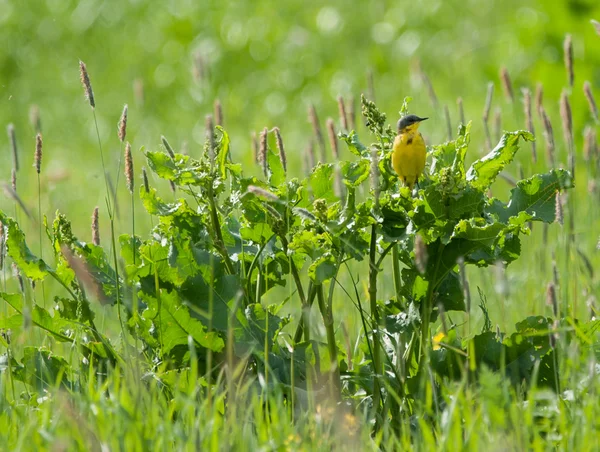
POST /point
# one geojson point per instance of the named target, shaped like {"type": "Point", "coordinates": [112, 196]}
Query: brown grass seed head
{"type": "Point", "coordinates": [87, 86]}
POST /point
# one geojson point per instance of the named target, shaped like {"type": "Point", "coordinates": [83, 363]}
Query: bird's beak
{"type": "Point", "coordinates": [422, 119]}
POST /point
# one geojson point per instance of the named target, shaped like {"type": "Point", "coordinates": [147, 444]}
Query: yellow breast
{"type": "Point", "coordinates": [408, 158]}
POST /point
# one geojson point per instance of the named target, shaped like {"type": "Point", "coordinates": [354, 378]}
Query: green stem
{"type": "Point", "coordinates": [426, 308]}
{"type": "Point", "coordinates": [373, 271]}
{"type": "Point", "coordinates": [396, 271]}
{"type": "Point", "coordinates": [304, 324]}
{"type": "Point", "coordinates": [40, 228]}
{"type": "Point", "coordinates": [220, 244]}
{"type": "Point", "coordinates": [327, 314]}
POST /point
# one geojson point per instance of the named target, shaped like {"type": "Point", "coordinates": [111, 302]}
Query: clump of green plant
{"type": "Point", "coordinates": [197, 292]}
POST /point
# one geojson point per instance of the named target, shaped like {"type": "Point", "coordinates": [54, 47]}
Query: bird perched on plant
{"type": "Point", "coordinates": [408, 158]}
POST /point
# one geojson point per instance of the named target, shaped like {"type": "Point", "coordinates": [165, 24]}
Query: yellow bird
{"type": "Point", "coordinates": [410, 152]}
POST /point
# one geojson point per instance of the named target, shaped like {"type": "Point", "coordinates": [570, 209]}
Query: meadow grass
{"type": "Point", "coordinates": [144, 404]}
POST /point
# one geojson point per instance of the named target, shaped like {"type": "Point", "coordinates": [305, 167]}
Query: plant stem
{"type": "Point", "coordinates": [396, 271]}
{"type": "Point", "coordinates": [304, 324]}
{"type": "Point", "coordinates": [220, 244]}
{"type": "Point", "coordinates": [377, 363]}
{"type": "Point", "coordinates": [426, 308]}
{"type": "Point", "coordinates": [327, 314]}
{"type": "Point", "coordinates": [40, 228]}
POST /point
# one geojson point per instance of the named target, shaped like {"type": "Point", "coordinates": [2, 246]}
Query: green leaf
{"type": "Point", "coordinates": [484, 171]}
{"type": "Point", "coordinates": [154, 205]}
{"type": "Point", "coordinates": [536, 196]}
{"type": "Point", "coordinates": [354, 144]}
{"type": "Point", "coordinates": [175, 324]}
{"type": "Point", "coordinates": [450, 293]}
{"type": "Point", "coordinates": [321, 182]}
{"type": "Point", "coordinates": [55, 326]}
{"type": "Point", "coordinates": [355, 173]}
{"type": "Point", "coordinates": [43, 369]}
{"type": "Point", "coordinates": [276, 172]}
{"type": "Point", "coordinates": [258, 326]}
{"type": "Point", "coordinates": [323, 269]}
{"type": "Point", "coordinates": [32, 267]}
{"type": "Point", "coordinates": [223, 152]}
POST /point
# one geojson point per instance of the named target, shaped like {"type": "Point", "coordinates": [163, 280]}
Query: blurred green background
{"type": "Point", "coordinates": [267, 62]}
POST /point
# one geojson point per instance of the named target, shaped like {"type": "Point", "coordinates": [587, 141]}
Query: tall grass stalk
{"type": "Point", "coordinates": [38, 167]}
{"type": "Point", "coordinates": [89, 93]}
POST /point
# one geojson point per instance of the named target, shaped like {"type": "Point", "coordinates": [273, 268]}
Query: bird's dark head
{"type": "Point", "coordinates": [409, 122]}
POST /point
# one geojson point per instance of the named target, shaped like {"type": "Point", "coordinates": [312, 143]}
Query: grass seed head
{"type": "Point", "coordinates": [448, 122]}
{"type": "Point", "coordinates": [371, 85]}
{"type": "Point", "coordinates": [587, 91]}
{"type": "Point", "coordinates": [210, 138]}
{"type": "Point", "coordinates": [539, 98]}
{"type": "Point", "coordinates": [488, 102]}
{"type": "Point", "coordinates": [95, 227]}
{"type": "Point", "coordinates": [310, 155]}
{"type": "Point", "coordinates": [263, 152]}
{"type": "Point", "coordinates": [262, 193]}
{"type": "Point", "coordinates": [568, 55]}
{"type": "Point", "coordinates": [551, 298]}
{"type": "Point", "coordinates": [342, 113]}
{"type": "Point", "coordinates": [167, 146]}
{"type": "Point", "coordinates": [122, 130]}
{"type": "Point", "coordinates": [558, 209]}
{"type": "Point", "coordinates": [420, 254]}
{"type": "Point", "coordinates": [529, 120]}
{"type": "Point", "coordinates": [280, 148]}
{"type": "Point", "coordinates": [87, 86]}
{"type": "Point", "coordinates": [430, 90]}
{"type": "Point", "coordinates": [35, 118]}
{"type": "Point", "coordinates": [461, 110]}
{"type": "Point", "coordinates": [506, 84]}
{"type": "Point", "coordinates": [255, 148]}
{"type": "Point", "coordinates": [318, 133]}
{"type": "Point", "coordinates": [37, 160]}
{"type": "Point", "coordinates": [138, 91]}
{"type": "Point", "coordinates": [498, 123]}
{"type": "Point", "coordinates": [218, 111]}
{"type": "Point", "coordinates": [596, 25]}
{"type": "Point", "coordinates": [128, 168]}
{"type": "Point", "coordinates": [589, 144]}
{"type": "Point", "coordinates": [352, 112]}
{"type": "Point", "coordinates": [567, 126]}
{"type": "Point", "coordinates": [145, 179]}
{"type": "Point", "coordinates": [333, 138]}
{"type": "Point", "coordinates": [549, 136]}
{"type": "Point", "coordinates": [12, 138]}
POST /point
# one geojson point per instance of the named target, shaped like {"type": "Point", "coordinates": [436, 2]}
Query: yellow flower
{"type": "Point", "coordinates": [437, 339]}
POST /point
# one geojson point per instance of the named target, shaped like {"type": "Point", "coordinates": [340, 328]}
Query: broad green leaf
{"type": "Point", "coordinates": [321, 182]}
{"type": "Point", "coordinates": [450, 293]}
{"type": "Point", "coordinates": [535, 196]}
{"type": "Point", "coordinates": [43, 369]}
{"type": "Point", "coordinates": [276, 172]}
{"type": "Point", "coordinates": [484, 171]}
{"type": "Point", "coordinates": [354, 144]}
{"type": "Point", "coordinates": [257, 327]}
{"type": "Point", "coordinates": [175, 325]}
{"type": "Point", "coordinates": [155, 205]}
{"type": "Point", "coordinates": [355, 173]}
{"type": "Point", "coordinates": [32, 266]}
{"type": "Point", "coordinates": [323, 269]}
{"type": "Point", "coordinates": [60, 329]}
